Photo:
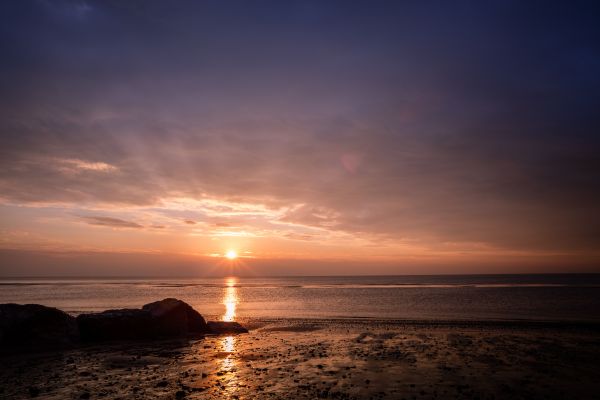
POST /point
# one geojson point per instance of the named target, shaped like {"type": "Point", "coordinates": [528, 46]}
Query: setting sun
{"type": "Point", "coordinates": [231, 254]}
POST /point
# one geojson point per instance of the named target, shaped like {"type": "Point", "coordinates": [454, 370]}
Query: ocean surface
{"type": "Point", "coordinates": [556, 297]}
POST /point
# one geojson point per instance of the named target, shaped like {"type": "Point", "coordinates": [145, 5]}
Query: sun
{"type": "Point", "coordinates": [231, 254]}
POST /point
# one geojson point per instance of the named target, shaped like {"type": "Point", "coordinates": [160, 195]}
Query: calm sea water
{"type": "Point", "coordinates": [538, 297]}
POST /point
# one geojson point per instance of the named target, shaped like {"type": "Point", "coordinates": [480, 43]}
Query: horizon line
{"type": "Point", "coordinates": [288, 276]}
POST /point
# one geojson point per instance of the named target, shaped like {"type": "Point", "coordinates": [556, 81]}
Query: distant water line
{"type": "Point", "coordinates": [569, 297]}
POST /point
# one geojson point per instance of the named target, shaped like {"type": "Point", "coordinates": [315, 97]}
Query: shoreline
{"type": "Point", "coordinates": [309, 325]}
{"type": "Point", "coordinates": [313, 358]}
{"type": "Point", "coordinates": [496, 323]}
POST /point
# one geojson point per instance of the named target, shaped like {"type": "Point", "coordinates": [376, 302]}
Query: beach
{"type": "Point", "coordinates": [307, 359]}
{"type": "Point", "coordinates": [435, 337]}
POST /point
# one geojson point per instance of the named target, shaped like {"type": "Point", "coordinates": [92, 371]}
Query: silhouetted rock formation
{"type": "Point", "coordinates": [161, 319]}
{"type": "Point", "coordinates": [33, 325]}
{"type": "Point", "coordinates": [222, 327]}
{"type": "Point", "coordinates": [115, 325]}
{"type": "Point", "coordinates": [176, 312]}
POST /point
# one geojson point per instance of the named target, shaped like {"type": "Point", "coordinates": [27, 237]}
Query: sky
{"type": "Point", "coordinates": [310, 137]}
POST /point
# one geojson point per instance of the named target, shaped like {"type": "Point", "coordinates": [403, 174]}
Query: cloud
{"type": "Point", "coordinates": [312, 216]}
{"type": "Point", "coordinates": [71, 165]}
{"type": "Point", "coordinates": [110, 222]}
{"type": "Point", "coordinates": [428, 126]}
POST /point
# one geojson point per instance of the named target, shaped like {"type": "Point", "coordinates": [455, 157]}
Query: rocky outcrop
{"type": "Point", "coordinates": [173, 312]}
{"type": "Point", "coordinates": [222, 327]}
{"type": "Point", "coordinates": [162, 319]}
{"type": "Point", "coordinates": [116, 325]}
{"type": "Point", "coordinates": [33, 325]}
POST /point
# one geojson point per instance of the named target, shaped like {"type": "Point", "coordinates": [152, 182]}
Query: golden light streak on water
{"type": "Point", "coordinates": [228, 368]}
{"type": "Point", "coordinates": [230, 300]}
{"type": "Point", "coordinates": [227, 343]}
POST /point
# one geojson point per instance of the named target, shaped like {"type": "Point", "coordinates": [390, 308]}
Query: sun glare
{"type": "Point", "coordinates": [231, 254]}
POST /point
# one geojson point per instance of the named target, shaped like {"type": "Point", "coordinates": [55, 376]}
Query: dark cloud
{"type": "Point", "coordinates": [109, 221]}
{"type": "Point", "coordinates": [437, 123]}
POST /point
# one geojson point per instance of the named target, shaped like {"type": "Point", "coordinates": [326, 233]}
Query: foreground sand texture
{"type": "Point", "coordinates": [323, 359]}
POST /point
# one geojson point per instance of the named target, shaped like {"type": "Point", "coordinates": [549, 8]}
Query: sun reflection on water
{"type": "Point", "coordinates": [228, 368]}
{"type": "Point", "coordinates": [230, 299]}
{"type": "Point", "coordinates": [229, 362]}
{"type": "Point", "coordinates": [228, 344]}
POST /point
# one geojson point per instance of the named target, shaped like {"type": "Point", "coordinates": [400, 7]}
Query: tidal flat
{"type": "Point", "coordinates": [308, 359]}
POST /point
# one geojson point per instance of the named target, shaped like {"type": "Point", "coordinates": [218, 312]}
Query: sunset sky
{"type": "Point", "coordinates": [310, 137]}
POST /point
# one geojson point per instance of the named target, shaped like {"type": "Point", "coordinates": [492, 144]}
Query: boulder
{"type": "Point", "coordinates": [35, 325]}
{"type": "Point", "coordinates": [223, 327]}
{"type": "Point", "coordinates": [162, 319]}
{"type": "Point", "coordinates": [116, 325]}
{"type": "Point", "coordinates": [178, 315]}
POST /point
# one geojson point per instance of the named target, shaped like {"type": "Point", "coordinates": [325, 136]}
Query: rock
{"type": "Point", "coordinates": [116, 325]}
{"type": "Point", "coordinates": [178, 315]}
{"type": "Point", "coordinates": [33, 391]}
{"type": "Point", "coordinates": [162, 319]}
{"type": "Point", "coordinates": [34, 325]}
{"type": "Point", "coordinates": [223, 327]}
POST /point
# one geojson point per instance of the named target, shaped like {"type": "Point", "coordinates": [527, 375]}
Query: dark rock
{"type": "Point", "coordinates": [34, 325]}
{"type": "Point", "coordinates": [177, 315]}
{"type": "Point", "coordinates": [180, 394]}
{"type": "Point", "coordinates": [116, 325]}
{"type": "Point", "coordinates": [222, 327]}
{"type": "Point", "coordinates": [162, 319]}
{"type": "Point", "coordinates": [33, 391]}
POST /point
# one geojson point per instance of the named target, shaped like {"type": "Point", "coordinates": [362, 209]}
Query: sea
{"type": "Point", "coordinates": [548, 297]}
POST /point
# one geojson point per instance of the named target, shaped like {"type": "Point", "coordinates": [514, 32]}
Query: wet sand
{"type": "Point", "coordinates": [307, 359]}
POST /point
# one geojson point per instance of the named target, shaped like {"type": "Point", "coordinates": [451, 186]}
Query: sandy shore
{"type": "Point", "coordinates": [310, 359]}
